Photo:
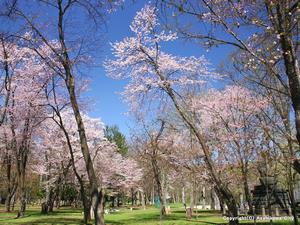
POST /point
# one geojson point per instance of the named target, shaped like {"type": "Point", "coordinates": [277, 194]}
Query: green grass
{"type": "Point", "coordinates": [123, 217]}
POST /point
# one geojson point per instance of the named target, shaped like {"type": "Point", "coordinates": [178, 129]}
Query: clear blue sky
{"type": "Point", "coordinates": [104, 90]}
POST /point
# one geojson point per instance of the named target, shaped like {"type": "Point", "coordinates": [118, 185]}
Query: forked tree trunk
{"type": "Point", "coordinates": [98, 202]}
{"type": "Point", "coordinates": [9, 199]}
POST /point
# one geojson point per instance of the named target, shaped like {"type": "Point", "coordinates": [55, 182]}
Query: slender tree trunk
{"type": "Point", "coordinates": [247, 191]}
{"type": "Point", "coordinates": [164, 190]}
{"type": "Point", "coordinates": [23, 154]}
{"type": "Point", "coordinates": [118, 200]}
{"type": "Point", "coordinates": [143, 199]}
{"type": "Point", "coordinates": [7, 161]}
{"type": "Point", "coordinates": [13, 202]}
{"type": "Point", "coordinates": [292, 196]}
{"type": "Point", "coordinates": [11, 194]}
{"type": "Point", "coordinates": [183, 195]}
{"type": "Point", "coordinates": [132, 197]}
{"type": "Point", "coordinates": [7, 202]}
{"type": "Point", "coordinates": [212, 200]}
{"type": "Point", "coordinates": [153, 194]}
{"type": "Point", "coordinates": [22, 192]}
{"type": "Point", "coordinates": [157, 177]}
{"type": "Point", "coordinates": [192, 200]}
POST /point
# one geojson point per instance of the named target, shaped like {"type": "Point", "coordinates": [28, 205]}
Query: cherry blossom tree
{"type": "Point", "coordinates": [52, 163]}
{"type": "Point", "coordinates": [149, 151]}
{"type": "Point", "coordinates": [151, 71]}
{"type": "Point", "coordinates": [265, 33]}
{"type": "Point", "coordinates": [230, 119]}
{"type": "Point", "coordinates": [7, 51]}
{"type": "Point", "coordinates": [67, 55]}
{"type": "Point", "coordinates": [278, 117]}
{"type": "Point", "coordinates": [24, 110]}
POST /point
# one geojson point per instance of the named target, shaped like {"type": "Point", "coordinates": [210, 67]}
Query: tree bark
{"type": "Point", "coordinates": [183, 195]}
{"type": "Point", "coordinates": [22, 156]}
{"type": "Point", "coordinates": [10, 195]}
{"type": "Point", "coordinates": [143, 199]}
{"type": "Point", "coordinates": [22, 208]}
{"type": "Point", "coordinates": [290, 61]}
{"type": "Point", "coordinates": [247, 191]}
{"type": "Point", "coordinates": [157, 177]}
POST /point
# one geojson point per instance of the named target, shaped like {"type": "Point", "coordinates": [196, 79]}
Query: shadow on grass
{"type": "Point", "coordinates": [62, 216]}
{"type": "Point", "coordinates": [55, 221]}
{"type": "Point", "coordinates": [44, 220]}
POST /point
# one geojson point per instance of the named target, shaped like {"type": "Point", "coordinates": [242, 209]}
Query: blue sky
{"type": "Point", "coordinates": [104, 90]}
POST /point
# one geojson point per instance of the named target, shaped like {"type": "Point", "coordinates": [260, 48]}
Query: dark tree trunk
{"type": "Point", "coordinates": [118, 200]}
{"type": "Point", "coordinates": [10, 196]}
{"type": "Point", "coordinates": [113, 201]}
{"type": "Point", "coordinates": [22, 192]}
{"type": "Point", "coordinates": [23, 154]}
{"type": "Point", "coordinates": [85, 201]}
{"type": "Point", "coordinates": [132, 197]}
{"type": "Point", "coordinates": [290, 62]}
{"type": "Point", "coordinates": [157, 177]}
{"type": "Point", "coordinates": [247, 191]}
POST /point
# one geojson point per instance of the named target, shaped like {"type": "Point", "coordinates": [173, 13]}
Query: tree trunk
{"type": "Point", "coordinates": [98, 207]}
{"type": "Point", "coordinates": [118, 200]}
{"type": "Point", "coordinates": [22, 192]}
{"type": "Point", "coordinates": [247, 192]}
{"type": "Point", "coordinates": [212, 200]}
{"type": "Point", "coordinates": [11, 181]}
{"type": "Point", "coordinates": [183, 195]}
{"type": "Point", "coordinates": [13, 202]}
{"type": "Point", "coordinates": [157, 177]}
{"type": "Point", "coordinates": [290, 61]}
{"type": "Point", "coordinates": [164, 190]}
{"type": "Point", "coordinates": [143, 199]}
{"type": "Point", "coordinates": [192, 200]}
{"type": "Point", "coordinates": [7, 202]}
{"type": "Point", "coordinates": [291, 188]}
{"type": "Point", "coordinates": [9, 198]}
{"type": "Point", "coordinates": [85, 201]}
{"type": "Point", "coordinates": [132, 197]}
{"type": "Point", "coordinates": [95, 188]}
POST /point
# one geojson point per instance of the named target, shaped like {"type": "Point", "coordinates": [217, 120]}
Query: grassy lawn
{"type": "Point", "coordinates": [124, 216]}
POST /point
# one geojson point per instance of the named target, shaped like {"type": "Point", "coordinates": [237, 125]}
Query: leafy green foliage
{"type": "Point", "coordinates": [113, 134]}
